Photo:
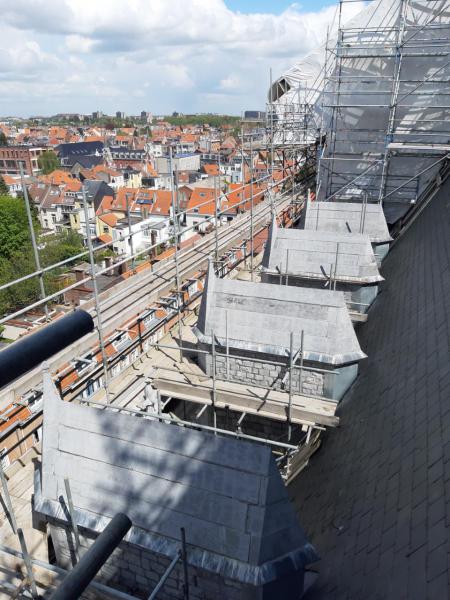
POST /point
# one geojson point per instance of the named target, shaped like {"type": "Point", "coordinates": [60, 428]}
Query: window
{"type": "Point", "coordinates": [121, 342]}
{"type": "Point", "coordinates": [92, 386]}
{"type": "Point", "coordinates": [149, 319]}
{"type": "Point", "coordinates": [193, 288]}
{"type": "Point", "coordinates": [85, 364]}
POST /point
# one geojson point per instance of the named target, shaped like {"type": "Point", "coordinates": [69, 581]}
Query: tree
{"type": "Point", "coordinates": [20, 262]}
{"type": "Point", "coordinates": [48, 162]}
{"type": "Point", "coordinates": [4, 190]}
{"type": "Point", "coordinates": [61, 246]}
{"type": "Point", "coordinates": [3, 139]}
{"type": "Point", "coordinates": [14, 234]}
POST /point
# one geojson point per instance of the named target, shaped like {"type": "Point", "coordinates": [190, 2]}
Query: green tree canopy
{"type": "Point", "coordinates": [3, 139]}
{"type": "Point", "coordinates": [212, 120]}
{"type": "Point", "coordinates": [48, 162]}
{"type": "Point", "coordinates": [20, 262]}
{"type": "Point", "coordinates": [60, 246]}
{"type": "Point", "coordinates": [4, 191]}
{"type": "Point", "coordinates": [14, 233]}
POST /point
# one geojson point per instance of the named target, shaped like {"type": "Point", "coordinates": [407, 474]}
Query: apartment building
{"type": "Point", "coordinates": [11, 157]}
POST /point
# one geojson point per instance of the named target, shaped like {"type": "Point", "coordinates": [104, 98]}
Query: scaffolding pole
{"type": "Point", "coordinates": [37, 261]}
{"type": "Point", "coordinates": [96, 296]}
{"type": "Point", "coordinates": [415, 35]}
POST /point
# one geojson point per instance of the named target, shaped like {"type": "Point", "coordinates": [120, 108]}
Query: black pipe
{"type": "Point", "coordinates": [30, 351]}
{"type": "Point", "coordinates": [74, 584]}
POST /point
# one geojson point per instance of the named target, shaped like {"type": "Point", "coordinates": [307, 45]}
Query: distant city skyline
{"type": "Point", "coordinates": [187, 56]}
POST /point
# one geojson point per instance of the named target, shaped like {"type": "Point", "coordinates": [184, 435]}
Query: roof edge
{"type": "Point", "coordinates": [293, 561]}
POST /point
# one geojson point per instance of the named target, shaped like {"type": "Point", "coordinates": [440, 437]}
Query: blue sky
{"type": "Point", "coordinates": [275, 6]}
{"type": "Point", "coordinates": [154, 55]}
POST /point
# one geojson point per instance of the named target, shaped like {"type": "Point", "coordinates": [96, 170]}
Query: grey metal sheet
{"type": "Point", "coordinates": [259, 317]}
{"type": "Point", "coordinates": [311, 254]}
{"type": "Point", "coordinates": [226, 493]}
{"type": "Point", "coordinates": [346, 217]}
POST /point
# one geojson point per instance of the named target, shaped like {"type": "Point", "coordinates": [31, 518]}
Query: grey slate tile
{"type": "Point", "coordinates": [395, 426]}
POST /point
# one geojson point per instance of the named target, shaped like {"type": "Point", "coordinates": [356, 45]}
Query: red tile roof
{"type": "Point", "coordinates": [211, 169]}
{"type": "Point", "coordinates": [105, 238]}
{"type": "Point", "coordinates": [199, 197]}
{"type": "Point", "coordinates": [13, 414]}
{"type": "Point", "coordinates": [109, 218]}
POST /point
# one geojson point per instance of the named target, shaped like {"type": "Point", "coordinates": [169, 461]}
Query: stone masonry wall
{"type": "Point", "coordinates": [248, 371]}
{"type": "Point", "coordinates": [137, 571]}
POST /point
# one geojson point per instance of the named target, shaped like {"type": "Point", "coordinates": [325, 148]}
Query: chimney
{"type": "Point", "coordinates": [79, 274]}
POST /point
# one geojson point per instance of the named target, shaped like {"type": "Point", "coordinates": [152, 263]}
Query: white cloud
{"type": "Point", "coordinates": [232, 82]}
{"type": "Point", "coordinates": [77, 43]}
{"type": "Point", "coordinates": [186, 55]}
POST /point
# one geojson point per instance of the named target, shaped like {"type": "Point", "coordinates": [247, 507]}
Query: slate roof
{"type": "Point", "coordinates": [312, 254]}
{"type": "Point", "coordinates": [88, 161]}
{"type": "Point", "coordinates": [96, 190]}
{"type": "Point", "coordinates": [345, 217]}
{"type": "Point", "coordinates": [376, 498]}
{"type": "Point", "coordinates": [227, 493]}
{"type": "Point", "coordinates": [79, 149]}
{"type": "Point", "coordinates": [260, 316]}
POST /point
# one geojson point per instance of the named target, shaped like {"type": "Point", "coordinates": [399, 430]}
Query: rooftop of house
{"type": "Point", "coordinates": [202, 200]}
{"type": "Point", "coordinates": [88, 161]}
{"type": "Point", "coordinates": [260, 317]}
{"type": "Point", "coordinates": [12, 180]}
{"type": "Point", "coordinates": [375, 499]}
{"type": "Point", "coordinates": [348, 217]}
{"type": "Point", "coordinates": [211, 169]}
{"type": "Point", "coordinates": [314, 254]}
{"type": "Point", "coordinates": [109, 218]}
{"type": "Point", "coordinates": [226, 493]}
{"type": "Point", "coordinates": [106, 205]}
{"type": "Point", "coordinates": [57, 177]}
{"type": "Point", "coordinates": [107, 170]}
{"type": "Point", "coordinates": [238, 193]}
{"type": "Point", "coordinates": [80, 149]}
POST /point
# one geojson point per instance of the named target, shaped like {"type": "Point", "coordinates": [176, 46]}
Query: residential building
{"type": "Point", "coordinates": [69, 154]}
{"type": "Point", "coordinates": [132, 178]}
{"type": "Point", "coordinates": [154, 148]}
{"type": "Point", "coordinates": [200, 208]}
{"type": "Point", "coordinates": [152, 179]}
{"type": "Point", "coordinates": [146, 232]}
{"type": "Point", "coordinates": [11, 157]}
{"type": "Point", "coordinates": [14, 185]}
{"type": "Point", "coordinates": [180, 162]}
{"type": "Point", "coordinates": [85, 162]}
{"type": "Point", "coordinates": [96, 191]}
{"type": "Point", "coordinates": [113, 177]}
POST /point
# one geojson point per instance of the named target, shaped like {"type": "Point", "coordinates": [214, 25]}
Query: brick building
{"type": "Point", "coordinates": [12, 156]}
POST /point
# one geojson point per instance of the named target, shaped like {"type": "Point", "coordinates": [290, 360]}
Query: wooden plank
{"type": "Point", "coordinates": [242, 398]}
